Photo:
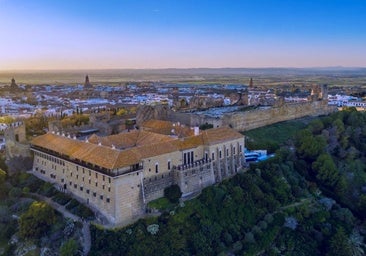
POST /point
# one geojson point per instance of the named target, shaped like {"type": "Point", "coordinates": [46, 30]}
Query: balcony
{"type": "Point", "coordinates": [197, 163]}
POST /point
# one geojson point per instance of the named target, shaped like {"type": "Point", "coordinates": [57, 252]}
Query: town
{"type": "Point", "coordinates": [118, 119]}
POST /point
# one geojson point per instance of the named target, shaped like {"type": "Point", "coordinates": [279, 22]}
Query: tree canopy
{"type": "Point", "coordinates": [36, 220]}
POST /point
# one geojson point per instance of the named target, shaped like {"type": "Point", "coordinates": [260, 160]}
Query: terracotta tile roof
{"type": "Point", "coordinates": [218, 135]}
{"type": "Point", "coordinates": [157, 124]}
{"type": "Point", "coordinates": [129, 139]}
{"type": "Point", "coordinates": [155, 149]}
{"type": "Point", "coordinates": [136, 146]}
{"type": "Point", "coordinates": [190, 142]}
{"type": "Point", "coordinates": [167, 128]}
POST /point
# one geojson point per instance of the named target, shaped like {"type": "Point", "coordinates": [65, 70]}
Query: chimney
{"type": "Point", "coordinates": [196, 130]}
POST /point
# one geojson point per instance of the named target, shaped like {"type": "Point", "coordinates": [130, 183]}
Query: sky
{"type": "Point", "coordinates": [106, 34]}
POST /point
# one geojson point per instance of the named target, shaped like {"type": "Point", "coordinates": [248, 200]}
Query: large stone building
{"type": "Point", "coordinates": [119, 174]}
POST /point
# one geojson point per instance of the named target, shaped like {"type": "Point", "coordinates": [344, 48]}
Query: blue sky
{"type": "Point", "coordinates": [83, 34]}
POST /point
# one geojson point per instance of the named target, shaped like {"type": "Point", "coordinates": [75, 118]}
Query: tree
{"type": "Point", "coordinates": [206, 126]}
{"type": "Point", "coordinates": [339, 244]}
{"type": "Point", "coordinates": [173, 193]}
{"type": "Point", "coordinates": [316, 126]}
{"type": "Point", "coordinates": [2, 177]}
{"type": "Point", "coordinates": [309, 146]}
{"type": "Point", "coordinates": [69, 248]}
{"type": "Point", "coordinates": [36, 220]}
{"type": "Point", "coordinates": [362, 205]}
{"type": "Point", "coordinates": [3, 190]}
{"type": "Point", "coordinates": [326, 170]}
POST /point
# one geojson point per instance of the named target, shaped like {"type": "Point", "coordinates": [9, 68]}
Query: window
{"type": "Point", "coordinates": [156, 168]}
{"type": "Point", "coordinates": [94, 194]}
{"type": "Point", "coordinates": [213, 156]}
{"type": "Point", "coordinates": [227, 152]}
{"type": "Point", "coordinates": [87, 191]}
{"type": "Point", "coordinates": [234, 151]}
{"type": "Point", "coordinates": [108, 200]}
{"type": "Point", "coordinates": [220, 155]}
{"type": "Point", "coordinates": [96, 184]}
{"type": "Point", "coordinates": [168, 165]}
{"type": "Point", "coordinates": [81, 188]}
{"type": "Point", "coordinates": [101, 197]}
{"type": "Point", "coordinates": [75, 186]}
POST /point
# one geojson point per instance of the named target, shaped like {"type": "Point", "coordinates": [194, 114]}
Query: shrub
{"type": "Point", "coordinates": [48, 190]}
{"type": "Point", "coordinates": [69, 248]}
{"type": "Point", "coordinates": [153, 229]}
{"type": "Point", "coordinates": [173, 193]}
{"type": "Point", "coordinates": [83, 211]}
{"type": "Point", "coordinates": [61, 198]}
{"type": "Point", "coordinates": [72, 204]}
{"type": "Point", "coordinates": [15, 192]}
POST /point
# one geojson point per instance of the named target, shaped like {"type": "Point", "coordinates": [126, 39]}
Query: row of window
{"type": "Point", "coordinates": [96, 185]}
{"type": "Point", "coordinates": [101, 197]}
{"type": "Point", "coordinates": [156, 177]}
{"type": "Point", "coordinates": [96, 175]}
{"type": "Point", "coordinates": [50, 158]}
{"type": "Point", "coordinates": [53, 176]}
{"type": "Point", "coordinates": [62, 162]}
{"type": "Point", "coordinates": [157, 167]}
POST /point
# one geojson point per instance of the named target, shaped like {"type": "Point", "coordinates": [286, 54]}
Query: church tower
{"type": "Point", "coordinates": [251, 83]}
{"type": "Point", "coordinates": [13, 85]}
{"type": "Point", "coordinates": [87, 84]}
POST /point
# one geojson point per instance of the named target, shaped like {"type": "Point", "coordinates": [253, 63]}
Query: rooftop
{"type": "Point", "coordinates": [126, 149]}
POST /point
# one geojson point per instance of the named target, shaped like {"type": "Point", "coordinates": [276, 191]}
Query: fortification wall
{"type": "Point", "coordinates": [194, 177]}
{"type": "Point", "coordinates": [154, 186]}
{"type": "Point", "coordinates": [147, 112]}
{"type": "Point", "coordinates": [247, 120]}
{"type": "Point", "coordinates": [18, 154]}
{"type": "Point", "coordinates": [251, 119]}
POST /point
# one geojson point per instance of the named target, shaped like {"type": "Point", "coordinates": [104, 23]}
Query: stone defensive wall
{"type": "Point", "coordinates": [258, 117]}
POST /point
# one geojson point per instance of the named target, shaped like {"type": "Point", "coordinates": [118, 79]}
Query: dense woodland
{"type": "Point", "coordinates": [308, 200]}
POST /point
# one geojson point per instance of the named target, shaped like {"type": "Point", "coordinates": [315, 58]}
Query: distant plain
{"type": "Point", "coordinates": [333, 76]}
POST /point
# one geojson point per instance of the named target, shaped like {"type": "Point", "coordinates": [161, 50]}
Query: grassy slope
{"type": "Point", "coordinates": [270, 137]}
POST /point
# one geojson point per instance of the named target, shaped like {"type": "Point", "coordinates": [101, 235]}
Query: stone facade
{"type": "Point", "coordinates": [18, 154]}
{"type": "Point", "coordinates": [120, 192]}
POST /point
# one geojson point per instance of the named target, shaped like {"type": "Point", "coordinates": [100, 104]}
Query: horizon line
{"type": "Point", "coordinates": [180, 68]}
